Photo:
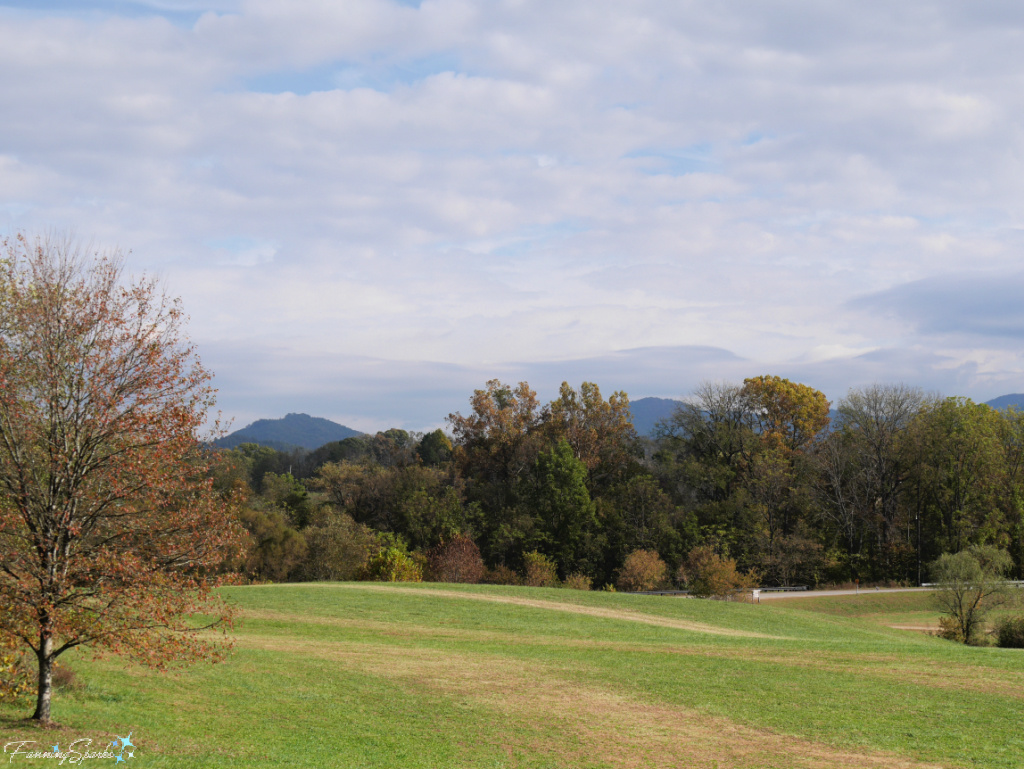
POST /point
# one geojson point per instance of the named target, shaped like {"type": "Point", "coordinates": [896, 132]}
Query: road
{"type": "Point", "coordinates": [825, 593]}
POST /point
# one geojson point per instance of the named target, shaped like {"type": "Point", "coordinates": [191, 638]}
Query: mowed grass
{"type": "Point", "coordinates": [370, 675]}
{"type": "Point", "coordinates": [913, 610]}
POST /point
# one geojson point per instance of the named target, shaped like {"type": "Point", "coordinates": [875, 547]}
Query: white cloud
{"type": "Point", "coordinates": [475, 184]}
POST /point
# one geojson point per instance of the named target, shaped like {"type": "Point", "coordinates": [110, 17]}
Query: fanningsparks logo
{"type": "Point", "coordinates": [120, 750]}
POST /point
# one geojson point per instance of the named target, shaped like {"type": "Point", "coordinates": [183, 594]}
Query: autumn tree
{"type": "Point", "coordinates": [457, 560]}
{"type": "Point", "coordinates": [109, 525]}
{"type": "Point", "coordinates": [642, 570]}
{"type": "Point", "coordinates": [497, 443]}
{"type": "Point", "coordinates": [706, 573]}
{"type": "Point", "coordinates": [786, 413]}
{"type": "Point", "coordinates": [600, 432]}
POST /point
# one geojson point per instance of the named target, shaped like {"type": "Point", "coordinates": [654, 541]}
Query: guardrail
{"type": "Point", "coordinates": [1012, 582]}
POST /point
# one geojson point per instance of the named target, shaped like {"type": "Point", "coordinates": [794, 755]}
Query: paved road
{"type": "Point", "coordinates": [825, 593]}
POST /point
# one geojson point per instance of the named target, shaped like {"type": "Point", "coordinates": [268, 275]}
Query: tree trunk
{"type": "Point", "coordinates": [45, 679]}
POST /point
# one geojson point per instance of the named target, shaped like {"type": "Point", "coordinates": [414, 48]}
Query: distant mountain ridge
{"type": "Point", "coordinates": [1005, 401]}
{"type": "Point", "coordinates": [303, 431]}
{"type": "Point", "coordinates": [288, 433]}
{"type": "Point", "coordinates": [647, 412]}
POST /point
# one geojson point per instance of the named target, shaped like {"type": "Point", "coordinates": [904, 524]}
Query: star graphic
{"type": "Point", "coordinates": [131, 754]}
{"type": "Point", "coordinates": [118, 760]}
{"type": "Point", "coordinates": [126, 741]}
{"type": "Point", "coordinates": [56, 748]}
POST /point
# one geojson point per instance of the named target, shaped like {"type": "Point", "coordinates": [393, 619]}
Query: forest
{"type": "Point", "coordinates": [765, 479]}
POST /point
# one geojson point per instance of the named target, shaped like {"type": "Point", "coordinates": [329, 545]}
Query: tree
{"type": "Point", "coordinates": [786, 413]}
{"type": "Point", "coordinates": [564, 512]}
{"type": "Point", "coordinates": [434, 448]}
{"type": "Point", "coordinates": [496, 445]}
{"type": "Point", "coordinates": [110, 527]}
{"type": "Point", "coordinates": [600, 432]}
{"type": "Point", "coordinates": [971, 583]}
{"type": "Point", "coordinates": [865, 466]}
{"type": "Point", "coordinates": [642, 570]}
{"type": "Point", "coordinates": [706, 573]}
{"type": "Point", "coordinates": [457, 560]}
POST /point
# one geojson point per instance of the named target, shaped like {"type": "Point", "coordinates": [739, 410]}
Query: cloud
{"type": "Point", "coordinates": [444, 189]}
{"type": "Point", "coordinates": [986, 306]}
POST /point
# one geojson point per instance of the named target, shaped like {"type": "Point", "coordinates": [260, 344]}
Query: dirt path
{"type": "Point", "coordinates": [570, 608]}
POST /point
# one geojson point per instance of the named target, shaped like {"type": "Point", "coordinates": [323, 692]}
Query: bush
{"type": "Point", "coordinates": [393, 562]}
{"type": "Point", "coordinates": [338, 548]}
{"type": "Point", "coordinates": [65, 678]}
{"type": "Point", "coordinates": [539, 570]}
{"type": "Point", "coordinates": [275, 550]}
{"type": "Point", "coordinates": [642, 570]}
{"type": "Point", "coordinates": [501, 575]}
{"type": "Point", "coordinates": [457, 560]}
{"type": "Point", "coordinates": [577, 581]}
{"type": "Point", "coordinates": [950, 629]}
{"type": "Point", "coordinates": [1010, 633]}
{"type": "Point", "coordinates": [705, 573]}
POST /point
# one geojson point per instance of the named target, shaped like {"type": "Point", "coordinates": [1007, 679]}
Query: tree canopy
{"type": "Point", "coordinates": [110, 528]}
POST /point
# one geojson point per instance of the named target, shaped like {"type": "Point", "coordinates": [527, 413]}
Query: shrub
{"type": "Point", "coordinates": [501, 575]}
{"type": "Point", "coordinates": [65, 678]}
{"type": "Point", "coordinates": [539, 570]}
{"type": "Point", "coordinates": [705, 573]}
{"type": "Point", "coordinates": [338, 547]}
{"type": "Point", "coordinates": [1010, 633]}
{"type": "Point", "coordinates": [642, 570]}
{"type": "Point", "coordinates": [393, 562]}
{"type": "Point", "coordinates": [577, 581]}
{"type": "Point", "coordinates": [457, 560]}
{"type": "Point", "coordinates": [950, 629]}
{"type": "Point", "coordinates": [276, 549]}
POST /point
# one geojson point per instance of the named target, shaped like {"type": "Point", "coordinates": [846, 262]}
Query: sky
{"type": "Point", "coordinates": [370, 208]}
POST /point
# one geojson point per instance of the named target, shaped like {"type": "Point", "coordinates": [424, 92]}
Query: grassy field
{"type": "Point", "coordinates": [370, 675]}
{"type": "Point", "coordinates": [905, 611]}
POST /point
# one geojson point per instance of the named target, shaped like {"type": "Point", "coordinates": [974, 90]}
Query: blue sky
{"type": "Point", "coordinates": [370, 207]}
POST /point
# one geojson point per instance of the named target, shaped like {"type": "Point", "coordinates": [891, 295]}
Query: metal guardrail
{"type": "Point", "coordinates": [1013, 582]}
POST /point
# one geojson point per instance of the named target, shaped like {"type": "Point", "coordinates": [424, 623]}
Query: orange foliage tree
{"type": "Point", "coordinates": [110, 529]}
{"type": "Point", "coordinates": [787, 413]}
{"type": "Point", "coordinates": [497, 443]}
{"type": "Point", "coordinates": [599, 431]}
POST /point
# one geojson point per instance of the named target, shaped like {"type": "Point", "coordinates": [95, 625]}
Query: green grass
{"type": "Point", "coordinates": [436, 676]}
{"type": "Point", "coordinates": [912, 609]}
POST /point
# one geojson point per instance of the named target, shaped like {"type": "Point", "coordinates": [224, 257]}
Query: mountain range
{"type": "Point", "coordinates": [303, 431]}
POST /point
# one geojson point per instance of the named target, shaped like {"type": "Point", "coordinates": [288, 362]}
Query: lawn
{"type": "Point", "coordinates": [904, 610]}
{"type": "Point", "coordinates": [371, 675]}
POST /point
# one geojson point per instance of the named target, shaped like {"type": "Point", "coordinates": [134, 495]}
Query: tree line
{"type": "Point", "coordinates": [763, 474]}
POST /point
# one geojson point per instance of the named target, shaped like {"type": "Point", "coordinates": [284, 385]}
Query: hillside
{"type": "Point", "coordinates": [446, 676]}
{"type": "Point", "coordinates": [289, 432]}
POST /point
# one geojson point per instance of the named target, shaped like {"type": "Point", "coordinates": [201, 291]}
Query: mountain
{"type": "Point", "coordinates": [290, 432]}
{"type": "Point", "coordinates": [1005, 401]}
{"type": "Point", "coordinates": [648, 411]}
